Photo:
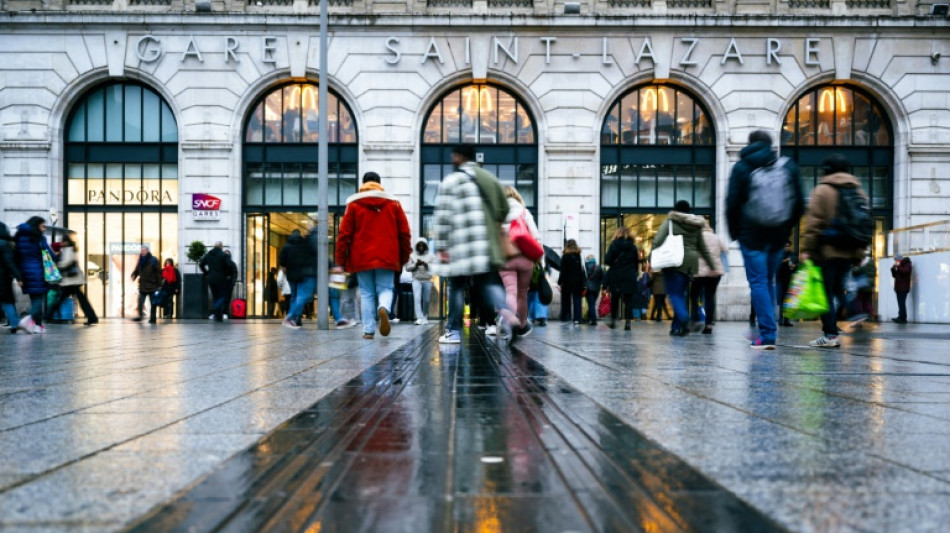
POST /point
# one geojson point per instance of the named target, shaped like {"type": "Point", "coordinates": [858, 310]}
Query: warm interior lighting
{"type": "Point", "coordinates": [478, 98]}
{"type": "Point", "coordinates": [656, 98]}
{"type": "Point", "coordinates": [309, 90]}
{"type": "Point", "coordinates": [831, 96]}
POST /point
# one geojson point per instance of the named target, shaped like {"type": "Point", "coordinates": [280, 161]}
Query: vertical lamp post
{"type": "Point", "coordinates": [323, 230]}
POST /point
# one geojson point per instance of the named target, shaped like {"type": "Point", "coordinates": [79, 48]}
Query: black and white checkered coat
{"type": "Point", "coordinates": [460, 227]}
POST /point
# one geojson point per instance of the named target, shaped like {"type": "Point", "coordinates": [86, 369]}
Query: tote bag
{"type": "Point", "coordinates": [50, 272]}
{"type": "Point", "coordinates": [525, 242]}
{"type": "Point", "coordinates": [670, 253]}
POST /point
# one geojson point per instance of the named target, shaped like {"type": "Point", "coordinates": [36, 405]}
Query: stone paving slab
{"type": "Point", "coordinates": [821, 440]}
{"type": "Point", "coordinates": [99, 425]}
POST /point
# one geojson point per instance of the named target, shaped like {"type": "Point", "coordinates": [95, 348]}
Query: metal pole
{"type": "Point", "coordinates": [323, 230]}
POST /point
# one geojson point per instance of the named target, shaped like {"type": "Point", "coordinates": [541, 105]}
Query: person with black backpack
{"type": "Point", "coordinates": [838, 231]}
{"type": "Point", "coordinates": [764, 203]}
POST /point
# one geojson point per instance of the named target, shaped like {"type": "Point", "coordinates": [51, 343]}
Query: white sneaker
{"type": "Point", "coordinates": [826, 341]}
{"type": "Point", "coordinates": [211, 316]}
{"type": "Point", "coordinates": [450, 338]}
{"type": "Point", "coordinates": [491, 330]}
{"type": "Point", "coordinates": [345, 324]}
{"type": "Point", "coordinates": [419, 322]}
{"type": "Point", "coordinates": [394, 320]}
{"type": "Point", "coordinates": [38, 330]}
{"type": "Point", "coordinates": [504, 330]}
{"type": "Point", "coordinates": [425, 321]}
{"type": "Point", "coordinates": [225, 317]}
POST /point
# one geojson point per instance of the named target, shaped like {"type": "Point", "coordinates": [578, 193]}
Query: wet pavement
{"type": "Point", "coordinates": [248, 426]}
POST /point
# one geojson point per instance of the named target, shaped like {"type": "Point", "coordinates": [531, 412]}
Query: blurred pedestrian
{"type": "Point", "coordinates": [902, 271]}
{"type": "Point", "coordinates": [572, 281]}
{"type": "Point", "coordinates": [677, 279]}
{"type": "Point", "coordinates": [374, 243]}
{"type": "Point", "coordinates": [420, 267]}
{"type": "Point", "coordinates": [595, 280]}
{"type": "Point", "coordinates": [73, 282]}
{"type": "Point", "coordinates": [149, 274]}
{"type": "Point", "coordinates": [30, 244]}
{"type": "Point", "coordinates": [9, 274]}
{"type": "Point", "coordinates": [516, 274]}
{"type": "Point", "coordinates": [658, 290]}
{"type": "Point", "coordinates": [764, 202]}
{"type": "Point", "coordinates": [834, 257]}
{"type": "Point", "coordinates": [470, 208]}
{"type": "Point", "coordinates": [171, 286]}
{"type": "Point", "coordinates": [232, 282]}
{"type": "Point", "coordinates": [783, 278]}
{"type": "Point", "coordinates": [271, 292]}
{"type": "Point", "coordinates": [705, 283]}
{"type": "Point", "coordinates": [216, 266]}
{"type": "Point", "coordinates": [865, 277]}
{"type": "Point", "coordinates": [298, 257]}
{"type": "Point", "coordinates": [285, 292]}
{"type": "Point", "coordinates": [623, 258]}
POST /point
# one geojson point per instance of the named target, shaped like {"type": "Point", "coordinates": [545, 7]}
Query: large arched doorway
{"type": "Point", "coordinates": [280, 175]}
{"type": "Point", "coordinates": [847, 120]}
{"type": "Point", "coordinates": [500, 126]}
{"type": "Point", "coordinates": [657, 147]}
{"type": "Point", "coordinates": [121, 173]}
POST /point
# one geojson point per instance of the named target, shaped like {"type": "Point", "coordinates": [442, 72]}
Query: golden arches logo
{"type": "Point", "coordinates": [656, 97]}
{"type": "Point", "coordinates": [828, 99]}
{"type": "Point", "coordinates": [478, 97]}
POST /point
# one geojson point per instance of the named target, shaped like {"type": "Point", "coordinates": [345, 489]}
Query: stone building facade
{"type": "Point", "coordinates": [148, 122]}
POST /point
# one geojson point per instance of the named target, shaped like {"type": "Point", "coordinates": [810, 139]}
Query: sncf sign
{"type": "Point", "coordinates": [205, 206]}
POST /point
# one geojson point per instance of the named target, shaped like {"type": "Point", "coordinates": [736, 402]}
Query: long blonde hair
{"type": "Point", "coordinates": [511, 192]}
{"type": "Point", "coordinates": [623, 232]}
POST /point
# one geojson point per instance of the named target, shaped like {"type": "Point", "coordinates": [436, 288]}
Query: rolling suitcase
{"type": "Point", "coordinates": [239, 305]}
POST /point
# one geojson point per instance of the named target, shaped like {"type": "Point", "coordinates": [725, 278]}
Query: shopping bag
{"type": "Point", "coordinates": [50, 272]}
{"type": "Point", "coordinates": [525, 242]}
{"type": "Point", "coordinates": [670, 253]}
{"type": "Point", "coordinates": [603, 308]}
{"type": "Point", "coordinates": [806, 294]}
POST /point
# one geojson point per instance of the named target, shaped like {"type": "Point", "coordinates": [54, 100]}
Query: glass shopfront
{"type": "Point", "coordinates": [846, 120]}
{"type": "Point", "coordinates": [121, 168]}
{"type": "Point", "coordinates": [657, 147]}
{"type": "Point", "coordinates": [502, 130]}
{"type": "Point", "coordinates": [281, 177]}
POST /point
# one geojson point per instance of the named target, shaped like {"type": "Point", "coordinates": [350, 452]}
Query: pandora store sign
{"type": "Point", "coordinates": [496, 50]}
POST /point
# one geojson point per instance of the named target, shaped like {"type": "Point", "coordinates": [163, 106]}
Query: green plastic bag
{"type": "Point", "coordinates": [806, 294]}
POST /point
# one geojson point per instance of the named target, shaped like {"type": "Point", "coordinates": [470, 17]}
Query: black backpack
{"type": "Point", "coordinates": [853, 224]}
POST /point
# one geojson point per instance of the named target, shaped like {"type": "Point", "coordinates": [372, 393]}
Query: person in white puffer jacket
{"type": "Point", "coordinates": [419, 266]}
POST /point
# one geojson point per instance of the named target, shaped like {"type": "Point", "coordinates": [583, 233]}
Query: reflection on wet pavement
{"type": "Point", "coordinates": [456, 438]}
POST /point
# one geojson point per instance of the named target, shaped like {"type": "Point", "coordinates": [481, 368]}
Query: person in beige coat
{"type": "Point", "coordinates": [73, 282]}
{"type": "Point", "coordinates": [835, 261]}
{"type": "Point", "coordinates": [705, 283]}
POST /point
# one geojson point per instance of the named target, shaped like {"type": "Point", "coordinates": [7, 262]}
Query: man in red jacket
{"type": "Point", "coordinates": [374, 244]}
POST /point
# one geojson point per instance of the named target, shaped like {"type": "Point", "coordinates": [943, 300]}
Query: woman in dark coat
{"type": "Point", "coordinates": [30, 244]}
{"type": "Point", "coordinates": [623, 258]}
{"type": "Point", "coordinates": [572, 281]}
{"type": "Point", "coordinates": [9, 272]}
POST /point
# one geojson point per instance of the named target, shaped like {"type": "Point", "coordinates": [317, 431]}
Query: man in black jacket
{"type": "Point", "coordinates": [216, 265]}
{"type": "Point", "coordinates": [762, 244]}
{"type": "Point", "coordinates": [298, 258]}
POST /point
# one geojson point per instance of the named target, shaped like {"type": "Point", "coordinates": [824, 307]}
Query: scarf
{"type": "Point", "coordinates": [168, 273]}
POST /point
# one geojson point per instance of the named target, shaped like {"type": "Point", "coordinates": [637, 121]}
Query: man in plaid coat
{"type": "Point", "coordinates": [469, 210]}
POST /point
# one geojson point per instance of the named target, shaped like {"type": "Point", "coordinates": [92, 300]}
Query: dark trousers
{"type": "Point", "coordinates": [616, 300]}
{"type": "Point", "coordinates": [833, 272]}
{"type": "Point", "coordinates": [574, 302]}
{"type": "Point", "coordinates": [902, 304]}
{"type": "Point", "coordinates": [151, 301]}
{"type": "Point", "coordinates": [219, 297]}
{"type": "Point", "coordinates": [73, 290]}
{"type": "Point", "coordinates": [592, 306]}
{"type": "Point", "coordinates": [703, 290]}
{"type": "Point", "coordinates": [659, 307]}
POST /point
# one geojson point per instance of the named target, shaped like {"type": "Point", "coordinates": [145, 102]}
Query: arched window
{"type": "Point", "coordinates": [657, 146]}
{"type": "Point", "coordinates": [847, 120]}
{"type": "Point", "coordinates": [121, 168]}
{"type": "Point", "coordinates": [501, 127]}
{"type": "Point", "coordinates": [281, 136]}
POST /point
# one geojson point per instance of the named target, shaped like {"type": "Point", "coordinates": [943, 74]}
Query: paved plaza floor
{"type": "Point", "coordinates": [247, 426]}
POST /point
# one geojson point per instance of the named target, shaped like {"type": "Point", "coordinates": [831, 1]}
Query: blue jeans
{"type": "Point", "coordinates": [676, 285]}
{"type": "Point", "coordinates": [760, 268]}
{"type": "Point", "coordinates": [12, 316]}
{"type": "Point", "coordinates": [376, 290]}
{"type": "Point", "coordinates": [335, 304]}
{"type": "Point", "coordinates": [535, 309]}
{"type": "Point", "coordinates": [492, 292]}
{"type": "Point", "coordinates": [303, 293]}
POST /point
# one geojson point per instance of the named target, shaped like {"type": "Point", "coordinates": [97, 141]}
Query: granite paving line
{"type": "Point", "coordinates": [308, 474]}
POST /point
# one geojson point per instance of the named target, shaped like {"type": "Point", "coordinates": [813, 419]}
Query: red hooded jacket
{"type": "Point", "coordinates": [374, 232]}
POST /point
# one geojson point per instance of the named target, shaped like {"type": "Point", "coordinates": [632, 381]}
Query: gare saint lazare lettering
{"type": "Point", "coordinates": [151, 48]}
